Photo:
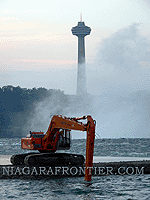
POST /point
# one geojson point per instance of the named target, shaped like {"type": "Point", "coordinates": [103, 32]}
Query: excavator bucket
{"type": "Point", "coordinates": [89, 148]}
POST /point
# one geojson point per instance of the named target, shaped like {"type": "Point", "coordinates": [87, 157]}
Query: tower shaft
{"type": "Point", "coordinates": [81, 50]}
{"type": "Point", "coordinates": [81, 76]}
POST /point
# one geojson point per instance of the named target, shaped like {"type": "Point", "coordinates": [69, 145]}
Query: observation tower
{"type": "Point", "coordinates": [81, 31]}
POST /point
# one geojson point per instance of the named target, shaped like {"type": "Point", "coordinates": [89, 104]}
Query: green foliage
{"type": "Point", "coordinates": [17, 103]}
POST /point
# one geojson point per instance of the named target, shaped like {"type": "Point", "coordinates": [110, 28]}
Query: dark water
{"type": "Point", "coordinates": [129, 147]}
{"type": "Point", "coordinates": [101, 187]}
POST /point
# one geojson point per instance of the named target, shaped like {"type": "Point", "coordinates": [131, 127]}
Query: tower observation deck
{"type": "Point", "coordinates": [81, 31]}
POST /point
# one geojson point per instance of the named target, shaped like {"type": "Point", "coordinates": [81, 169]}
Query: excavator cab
{"type": "Point", "coordinates": [64, 140]}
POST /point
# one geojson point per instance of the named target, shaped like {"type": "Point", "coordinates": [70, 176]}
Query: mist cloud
{"type": "Point", "coordinates": [122, 62]}
{"type": "Point", "coordinates": [122, 84]}
{"type": "Point", "coordinates": [125, 49]}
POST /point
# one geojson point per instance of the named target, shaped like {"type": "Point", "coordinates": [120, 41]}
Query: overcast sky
{"type": "Point", "coordinates": [37, 48]}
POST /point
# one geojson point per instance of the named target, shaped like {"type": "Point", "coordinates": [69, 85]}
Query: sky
{"type": "Point", "coordinates": [37, 48]}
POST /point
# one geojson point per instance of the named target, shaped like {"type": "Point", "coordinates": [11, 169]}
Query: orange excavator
{"type": "Point", "coordinates": [56, 138]}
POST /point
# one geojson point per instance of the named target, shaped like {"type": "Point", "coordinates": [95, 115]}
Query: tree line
{"type": "Point", "coordinates": [16, 105]}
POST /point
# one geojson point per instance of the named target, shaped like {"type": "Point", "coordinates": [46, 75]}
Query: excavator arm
{"type": "Point", "coordinates": [59, 121]}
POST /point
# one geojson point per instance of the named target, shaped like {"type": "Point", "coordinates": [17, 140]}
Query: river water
{"type": "Point", "coordinates": [101, 187]}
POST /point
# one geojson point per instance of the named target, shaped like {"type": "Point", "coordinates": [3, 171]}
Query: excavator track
{"type": "Point", "coordinates": [47, 159]}
{"type": "Point", "coordinates": [54, 159]}
{"type": "Point", "coordinates": [18, 159]}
